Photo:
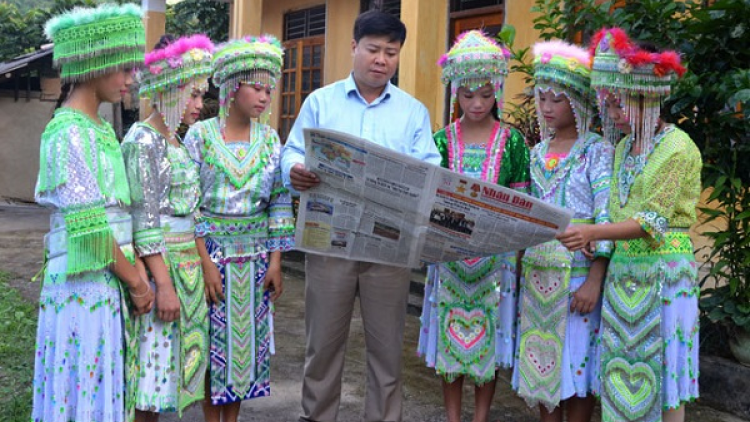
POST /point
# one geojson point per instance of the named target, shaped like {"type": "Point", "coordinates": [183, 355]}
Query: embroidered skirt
{"type": "Point", "coordinates": [468, 317]}
{"type": "Point", "coordinates": [174, 355]}
{"type": "Point", "coordinates": [79, 365]}
{"type": "Point", "coordinates": [649, 346]}
{"type": "Point", "coordinates": [579, 349]}
{"type": "Point", "coordinates": [241, 327]}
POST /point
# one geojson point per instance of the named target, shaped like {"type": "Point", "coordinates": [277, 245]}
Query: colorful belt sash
{"type": "Point", "coordinates": [238, 237]}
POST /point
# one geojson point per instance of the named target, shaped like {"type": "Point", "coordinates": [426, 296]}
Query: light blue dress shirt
{"type": "Point", "coordinates": [395, 120]}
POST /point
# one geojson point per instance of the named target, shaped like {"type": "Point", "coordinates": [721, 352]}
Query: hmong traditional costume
{"type": "Point", "coordinates": [556, 347]}
{"type": "Point", "coordinates": [246, 215]}
{"type": "Point", "coordinates": [80, 369]}
{"type": "Point", "coordinates": [469, 312]}
{"type": "Point", "coordinates": [649, 344]}
{"type": "Point", "coordinates": [165, 191]}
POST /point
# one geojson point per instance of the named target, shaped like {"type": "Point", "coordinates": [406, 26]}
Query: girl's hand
{"type": "Point", "coordinates": [142, 298]}
{"type": "Point", "coordinates": [212, 279]}
{"type": "Point", "coordinates": [589, 252]}
{"type": "Point", "coordinates": [274, 282]}
{"type": "Point", "coordinates": [586, 297]}
{"type": "Point", "coordinates": [167, 303]}
{"type": "Point", "coordinates": [576, 237]}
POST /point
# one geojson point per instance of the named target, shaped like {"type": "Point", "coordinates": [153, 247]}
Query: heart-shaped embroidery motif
{"type": "Point", "coordinates": [547, 285]}
{"type": "Point", "coordinates": [467, 328]}
{"type": "Point", "coordinates": [542, 353]}
{"type": "Point", "coordinates": [631, 388]}
{"type": "Point", "coordinates": [631, 300]}
{"type": "Point", "coordinates": [471, 261]}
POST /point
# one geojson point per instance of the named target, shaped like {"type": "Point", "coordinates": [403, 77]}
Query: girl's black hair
{"type": "Point", "coordinates": [164, 41]}
{"type": "Point", "coordinates": [648, 46]}
{"type": "Point", "coordinates": [494, 111]}
{"type": "Point", "coordinates": [64, 92]}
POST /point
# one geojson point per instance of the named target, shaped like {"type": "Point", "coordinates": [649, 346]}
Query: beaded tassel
{"type": "Point", "coordinates": [91, 42]}
{"type": "Point", "coordinates": [474, 61]}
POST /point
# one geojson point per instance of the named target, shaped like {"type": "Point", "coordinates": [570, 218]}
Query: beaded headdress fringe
{"type": "Point", "coordinates": [172, 74]}
{"type": "Point", "coordinates": [474, 61]}
{"type": "Point", "coordinates": [564, 68]}
{"type": "Point", "coordinates": [91, 42]}
{"type": "Point", "coordinates": [639, 79]}
{"type": "Point", "coordinates": [248, 60]}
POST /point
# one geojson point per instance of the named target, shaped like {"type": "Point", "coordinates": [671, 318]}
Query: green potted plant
{"type": "Point", "coordinates": [728, 262]}
{"type": "Point", "coordinates": [521, 112]}
{"type": "Point", "coordinates": [712, 104]}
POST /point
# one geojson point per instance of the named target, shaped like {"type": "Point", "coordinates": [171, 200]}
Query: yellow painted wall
{"type": "Point", "coordinates": [245, 17]}
{"type": "Point", "coordinates": [155, 23]}
{"type": "Point", "coordinates": [340, 16]}
{"type": "Point", "coordinates": [518, 14]}
{"type": "Point", "coordinates": [273, 23]}
{"type": "Point", "coordinates": [426, 40]}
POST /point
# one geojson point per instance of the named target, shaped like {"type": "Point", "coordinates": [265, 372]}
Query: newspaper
{"type": "Point", "coordinates": [374, 204]}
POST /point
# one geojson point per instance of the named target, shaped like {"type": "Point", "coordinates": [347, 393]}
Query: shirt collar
{"type": "Point", "coordinates": [351, 87]}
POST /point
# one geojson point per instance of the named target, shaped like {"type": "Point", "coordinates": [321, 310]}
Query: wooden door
{"type": "Point", "coordinates": [302, 74]}
{"type": "Point", "coordinates": [491, 23]}
{"type": "Point", "coordinates": [488, 19]}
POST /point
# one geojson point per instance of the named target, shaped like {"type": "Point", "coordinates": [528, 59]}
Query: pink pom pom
{"type": "Point", "coordinates": [180, 47]}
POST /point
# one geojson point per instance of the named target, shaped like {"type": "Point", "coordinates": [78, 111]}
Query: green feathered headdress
{"type": "Point", "coordinates": [91, 42]}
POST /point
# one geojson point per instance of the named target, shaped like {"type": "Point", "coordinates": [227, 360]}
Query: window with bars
{"type": "Point", "coordinates": [461, 5]}
{"type": "Point", "coordinates": [305, 23]}
{"type": "Point", "coordinates": [304, 40]}
{"type": "Point", "coordinates": [302, 74]}
{"type": "Point", "coordinates": [388, 6]}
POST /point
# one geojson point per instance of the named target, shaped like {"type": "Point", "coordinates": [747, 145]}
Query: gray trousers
{"type": "Point", "coordinates": [331, 285]}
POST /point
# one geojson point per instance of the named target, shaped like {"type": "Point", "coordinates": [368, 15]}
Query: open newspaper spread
{"type": "Point", "coordinates": [377, 205]}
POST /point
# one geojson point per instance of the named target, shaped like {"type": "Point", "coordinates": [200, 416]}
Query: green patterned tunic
{"type": "Point", "coordinates": [469, 312]}
{"type": "Point", "coordinates": [649, 346]}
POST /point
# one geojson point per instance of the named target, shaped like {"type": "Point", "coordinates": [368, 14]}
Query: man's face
{"type": "Point", "coordinates": [375, 60]}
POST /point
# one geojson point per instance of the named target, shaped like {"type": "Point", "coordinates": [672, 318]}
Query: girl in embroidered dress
{"type": "Point", "coordinates": [469, 309]}
{"type": "Point", "coordinates": [80, 371]}
{"type": "Point", "coordinates": [165, 190]}
{"type": "Point", "coordinates": [559, 306]}
{"type": "Point", "coordinates": [246, 222]}
{"type": "Point", "coordinates": [649, 343]}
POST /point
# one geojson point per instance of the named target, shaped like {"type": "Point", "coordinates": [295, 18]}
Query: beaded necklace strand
{"type": "Point", "coordinates": [494, 150]}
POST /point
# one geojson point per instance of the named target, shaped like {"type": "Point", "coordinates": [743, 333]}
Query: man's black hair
{"type": "Point", "coordinates": [379, 24]}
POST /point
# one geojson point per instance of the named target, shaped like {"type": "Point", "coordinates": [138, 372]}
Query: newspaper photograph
{"type": "Point", "coordinates": [377, 205]}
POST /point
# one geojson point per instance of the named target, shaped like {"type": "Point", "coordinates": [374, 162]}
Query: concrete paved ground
{"type": "Point", "coordinates": [21, 232]}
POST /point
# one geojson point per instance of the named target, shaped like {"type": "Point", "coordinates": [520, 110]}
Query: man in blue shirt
{"type": "Point", "coordinates": [367, 105]}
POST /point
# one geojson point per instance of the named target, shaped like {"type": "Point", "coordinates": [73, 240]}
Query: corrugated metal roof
{"type": "Point", "coordinates": [23, 61]}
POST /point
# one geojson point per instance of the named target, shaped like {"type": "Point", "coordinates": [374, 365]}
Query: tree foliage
{"type": "Point", "coordinates": [20, 32]}
{"type": "Point", "coordinates": [22, 28]}
{"type": "Point", "coordinates": [22, 21]}
{"type": "Point", "coordinates": [199, 16]}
